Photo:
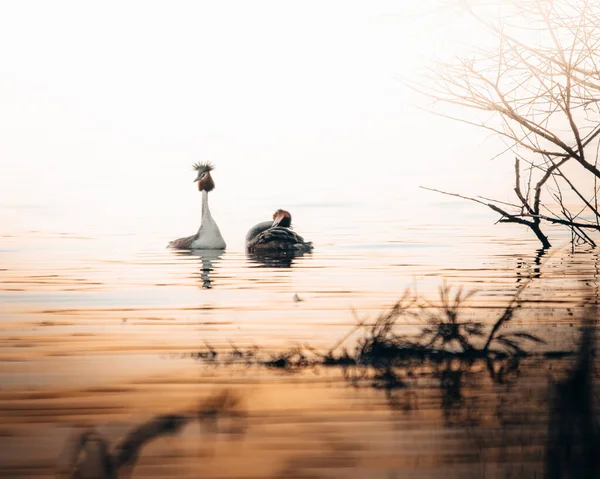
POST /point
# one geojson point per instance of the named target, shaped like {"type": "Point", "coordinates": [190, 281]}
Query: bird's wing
{"type": "Point", "coordinates": [278, 239]}
{"type": "Point", "coordinates": [182, 243]}
{"type": "Point", "coordinates": [258, 229]}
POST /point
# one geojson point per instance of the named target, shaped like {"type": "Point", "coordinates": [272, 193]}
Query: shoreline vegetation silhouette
{"type": "Point", "coordinates": [384, 359]}
{"type": "Point", "coordinates": [90, 454]}
{"type": "Point", "coordinates": [448, 349]}
{"type": "Point", "coordinates": [538, 91]}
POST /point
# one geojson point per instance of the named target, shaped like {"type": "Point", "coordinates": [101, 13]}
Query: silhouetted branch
{"type": "Point", "coordinates": [506, 216]}
{"type": "Point", "coordinates": [89, 454]}
{"type": "Point", "coordinates": [542, 96]}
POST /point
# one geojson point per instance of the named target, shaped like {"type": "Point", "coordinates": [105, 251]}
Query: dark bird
{"type": "Point", "coordinates": [276, 236]}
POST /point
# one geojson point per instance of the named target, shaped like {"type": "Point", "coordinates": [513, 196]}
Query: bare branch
{"type": "Point", "coordinates": [541, 97]}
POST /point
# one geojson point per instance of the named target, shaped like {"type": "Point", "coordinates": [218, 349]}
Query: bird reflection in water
{"type": "Point", "coordinates": [277, 259]}
{"type": "Point", "coordinates": [209, 258]}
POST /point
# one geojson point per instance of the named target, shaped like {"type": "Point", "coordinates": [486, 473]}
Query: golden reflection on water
{"type": "Point", "coordinates": [75, 300]}
{"type": "Point", "coordinates": [97, 336]}
{"type": "Point", "coordinates": [292, 425]}
{"type": "Point", "coordinates": [99, 322]}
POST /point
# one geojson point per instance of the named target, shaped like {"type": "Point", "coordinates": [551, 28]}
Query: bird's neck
{"type": "Point", "coordinates": [208, 236]}
{"type": "Point", "coordinates": [205, 210]}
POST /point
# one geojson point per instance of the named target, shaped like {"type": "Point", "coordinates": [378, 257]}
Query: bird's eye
{"type": "Point", "coordinates": [202, 175]}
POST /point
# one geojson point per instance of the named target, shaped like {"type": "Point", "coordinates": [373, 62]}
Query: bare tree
{"type": "Point", "coordinates": [539, 91]}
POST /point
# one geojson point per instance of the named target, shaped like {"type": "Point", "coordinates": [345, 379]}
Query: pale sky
{"type": "Point", "coordinates": [105, 105]}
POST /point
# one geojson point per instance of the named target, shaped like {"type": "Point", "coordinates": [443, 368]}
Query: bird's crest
{"type": "Point", "coordinates": [203, 167]}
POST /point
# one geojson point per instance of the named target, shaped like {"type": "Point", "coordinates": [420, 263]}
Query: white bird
{"type": "Point", "coordinates": [208, 235]}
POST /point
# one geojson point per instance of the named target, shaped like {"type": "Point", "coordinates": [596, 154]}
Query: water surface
{"type": "Point", "coordinates": [97, 331]}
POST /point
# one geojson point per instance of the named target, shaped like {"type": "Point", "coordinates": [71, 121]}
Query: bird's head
{"type": "Point", "coordinates": [205, 181]}
{"type": "Point", "coordinates": [282, 218]}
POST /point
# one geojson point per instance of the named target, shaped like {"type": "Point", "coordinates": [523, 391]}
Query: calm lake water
{"type": "Point", "coordinates": [105, 106]}
{"type": "Point", "coordinates": [98, 328]}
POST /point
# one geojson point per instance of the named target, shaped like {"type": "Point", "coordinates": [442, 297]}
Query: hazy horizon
{"type": "Point", "coordinates": [105, 108]}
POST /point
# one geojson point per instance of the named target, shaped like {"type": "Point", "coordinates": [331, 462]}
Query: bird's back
{"type": "Point", "coordinates": [257, 229]}
{"type": "Point", "coordinates": [278, 239]}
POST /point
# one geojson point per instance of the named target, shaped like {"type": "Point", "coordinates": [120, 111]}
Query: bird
{"type": "Point", "coordinates": [276, 236]}
{"type": "Point", "coordinates": [208, 235]}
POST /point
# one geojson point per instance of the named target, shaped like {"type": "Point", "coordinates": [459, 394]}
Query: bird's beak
{"type": "Point", "coordinates": [197, 179]}
{"type": "Point", "coordinates": [276, 221]}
